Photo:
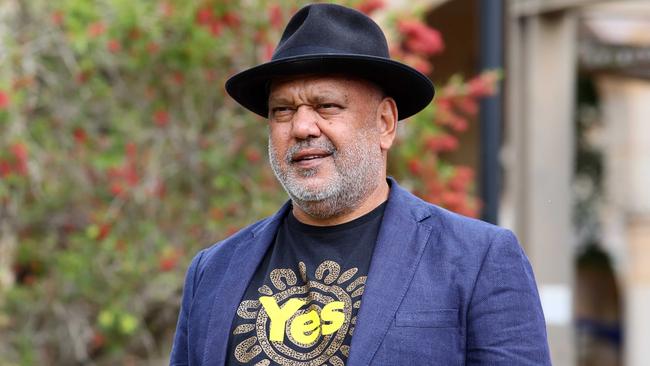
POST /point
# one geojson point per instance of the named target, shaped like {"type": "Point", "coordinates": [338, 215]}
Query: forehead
{"type": "Point", "coordinates": [330, 83]}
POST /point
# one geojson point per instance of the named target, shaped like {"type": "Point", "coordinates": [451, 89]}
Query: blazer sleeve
{"type": "Point", "coordinates": [179, 354]}
{"type": "Point", "coordinates": [505, 322]}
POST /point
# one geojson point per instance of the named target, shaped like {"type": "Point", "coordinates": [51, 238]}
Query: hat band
{"type": "Point", "coordinates": [309, 51]}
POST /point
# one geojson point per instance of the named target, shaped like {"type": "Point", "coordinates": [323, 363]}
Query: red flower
{"type": "Point", "coordinates": [269, 49]}
{"type": "Point", "coordinates": [178, 77]}
{"type": "Point", "coordinates": [80, 135]}
{"type": "Point", "coordinates": [451, 199]}
{"type": "Point", "coordinates": [468, 105]}
{"type": "Point", "coordinates": [441, 143]}
{"type": "Point", "coordinates": [480, 86]}
{"type": "Point", "coordinates": [161, 117]}
{"type": "Point", "coordinates": [98, 341]}
{"type": "Point", "coordinates": [253, 155]}
{"type": "Point", "coordinates": [5, 168]}
{"type": "Point", "coordinates": [168, 259]}
{"type": "Point", "coordinates": [131, 175]}
{"type": "Point", "coordinates": [83, 76]}
{"type": "Point", "coordinates": [204, 16]}
{"type": "Point", "coordinates": [19, 150]}
{"type": "Point", "coordinates": [96, 29]}
{"type": "Point", "coordinates": [275, 16]}
{"type": "Point", "coordinates": [215, 28]}
{"type": "Point", "coordinates": [415, 166]}
{"type": "Point", "coordinates": [4, 100]}
{"type": "Point", "coordinates": [231, 19]}
{"type": "Point", "coordinates": [420, 38]}
{"type": "Point", "coordinates": [418, 62]}
{"type": "Point", "coordinates": [57, 17]}
{"type": "Point", "coordinates": [458, 124]}
{"type": "Point", "coordinates": [370, 6]}
{"type": "Point", "coordinates": [117, 189]}
{"type": "Point", "coordinates": [166, 264]}
{"type": "Point", "coordinates": [114, 46]}
{"type": "Point", "coordinates": [462, 178]}
{"type": "Point", "coordinates": [104, 230]}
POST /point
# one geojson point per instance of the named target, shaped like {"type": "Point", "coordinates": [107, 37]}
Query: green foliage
{"type": "Point", "coordinates": [121, 156]}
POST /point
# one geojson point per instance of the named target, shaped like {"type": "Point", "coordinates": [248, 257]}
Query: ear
{"type": "Point", "coordinates": [387, 120]}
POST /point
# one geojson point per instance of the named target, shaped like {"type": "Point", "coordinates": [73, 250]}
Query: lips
{"type": "Point", "coordinates": [309, 155]}
{"type": "Point", "coordinates": [309, 158]}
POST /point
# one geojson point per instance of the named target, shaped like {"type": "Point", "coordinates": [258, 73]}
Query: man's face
{"type": "Point", "coordinates": [324, 143]}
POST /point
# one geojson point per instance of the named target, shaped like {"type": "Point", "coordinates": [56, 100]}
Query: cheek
{"type": "Point", "coordinates": [278, 141]}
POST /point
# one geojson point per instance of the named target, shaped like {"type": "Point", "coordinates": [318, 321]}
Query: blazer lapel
{"type": "Point", "coordinates": [400, 244]}
{"type": "Point", "coordinates": [241, 269]}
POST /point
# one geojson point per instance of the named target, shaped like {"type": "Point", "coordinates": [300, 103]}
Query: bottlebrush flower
{"type": "Point", "coordinates": [5, 168]}
{"type": "Point", "coordinates": [57, 17]}
{"type": "Point", "coordinates": [4, 100]}
{"type": "Point", "coordinates": [419, 63]}
{"type": "Point", "coordinates": [215, 28]}
{"type": "Point", "coordinates": [231, 19]}
{"type": "Point", "coordinates": [481, 86]}
{"type": "Point", "coordinates": [161, 117]}
{"type": "Point", "coordinates": [19, 151]}
{"type": "Point", "coordinates": [275, 16]}
{"type": "Point", "coordinates": [370, 6]}
{"type": "Point", "coordinates": [462, 178]}
{"type": "Point", "coordinates": [415, 166]}
{"type": "Point", "coordinates": [114, 46]}
{"type": "Point", "coordinates": [96, 29]}
{"type": "Point", "coordinates": [80, 135]}
{"type": "Point", "coordinates": [269, 49]}
{"type": "Point", "coordinates": [253, 155]}
{"type": "Point", "coordinates": [420, 38]}
{"type": "Point", "coordinates": [204, 16]}
{"type": "Point", "coordinates": [168, 259]}
{"type": "Point", "coordinates": [442, 143]}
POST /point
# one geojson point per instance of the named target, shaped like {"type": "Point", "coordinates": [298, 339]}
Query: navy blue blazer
{"type": "Point", "coordinates": [442, 289]}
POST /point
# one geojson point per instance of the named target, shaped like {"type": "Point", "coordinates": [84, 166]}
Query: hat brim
{"type": "Point", "coordinates": [411, 89]}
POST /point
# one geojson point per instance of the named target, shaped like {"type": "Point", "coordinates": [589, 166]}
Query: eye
{"type": "Point", "coordinates": [280, 109]}
{"type": "Point", "coordinates": [328, 107]}
{"type": "Point", "coordinates": [281, 112]}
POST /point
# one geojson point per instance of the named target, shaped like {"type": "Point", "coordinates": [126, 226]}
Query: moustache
{"type": "Point", "coordinates": [322, 144]}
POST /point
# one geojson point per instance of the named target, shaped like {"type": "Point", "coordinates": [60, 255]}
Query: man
{"type": "Point", "coordinates": [353, 269]}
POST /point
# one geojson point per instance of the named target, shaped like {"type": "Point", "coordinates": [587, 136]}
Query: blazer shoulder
{"type": "Point", "coordinates": [447, 221]}
{"type": "Point", "coordinates": [222, 250]}
{"type": "Point", "coordinates": [468, 234]}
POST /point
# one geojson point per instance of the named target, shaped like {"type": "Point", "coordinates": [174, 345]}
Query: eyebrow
{"type": "Point", "coordinates": [279, 100]}
{"type": "Point", "coordinates": [325, 96]}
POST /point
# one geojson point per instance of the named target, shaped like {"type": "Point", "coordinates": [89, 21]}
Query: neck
{"type": "Point", "coordinates": [374, 199]}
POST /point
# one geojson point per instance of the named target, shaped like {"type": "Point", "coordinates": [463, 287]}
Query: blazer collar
{"type": "Point", "coordinates": [401, 241]}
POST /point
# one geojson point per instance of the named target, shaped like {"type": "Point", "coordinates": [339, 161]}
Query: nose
{"type": "Point", "coordinates": [305, 123]}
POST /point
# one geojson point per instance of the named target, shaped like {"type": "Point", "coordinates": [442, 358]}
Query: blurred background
{"type": "Point", "coordinates": [121, 157]}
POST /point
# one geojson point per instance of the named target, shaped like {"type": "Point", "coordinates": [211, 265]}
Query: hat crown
{"type": "Point", "coordinates": [331, 29]}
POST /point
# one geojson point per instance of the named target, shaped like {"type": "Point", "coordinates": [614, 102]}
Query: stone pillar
{"type": "Point", "coordinates": [539, 158]}
{"type": "Point", "coordinates": [626, 222]}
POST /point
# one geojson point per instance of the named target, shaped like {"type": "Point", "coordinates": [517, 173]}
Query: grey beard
{"type": "Point", "coordinates": [357, 172]}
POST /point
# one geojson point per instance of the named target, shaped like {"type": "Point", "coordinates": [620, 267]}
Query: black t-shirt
{"type": "Point", "coordinates": [301, 305]}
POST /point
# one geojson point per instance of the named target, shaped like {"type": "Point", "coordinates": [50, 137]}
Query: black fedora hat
{"type": "Point", "coordinates": [329, 38]}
